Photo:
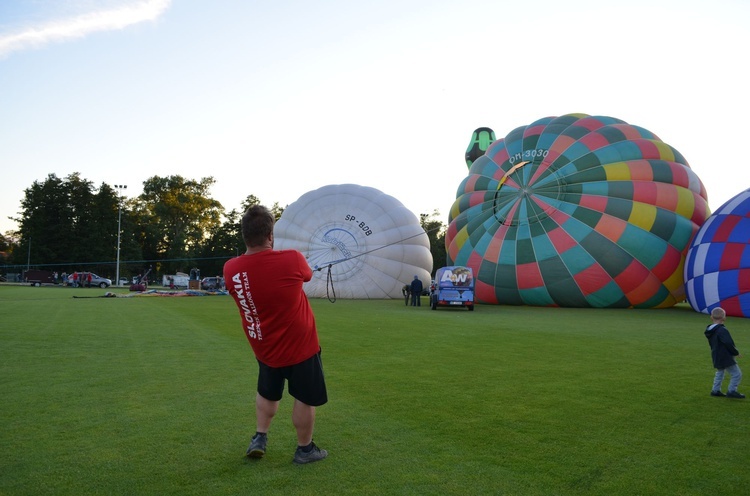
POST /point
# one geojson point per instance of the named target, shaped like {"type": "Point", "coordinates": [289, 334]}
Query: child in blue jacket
{"type": "Point", "coordinates": [723, 353]}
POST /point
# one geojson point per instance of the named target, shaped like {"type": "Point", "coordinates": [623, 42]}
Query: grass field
{"type": "Point", "coordinates": [153, 395]}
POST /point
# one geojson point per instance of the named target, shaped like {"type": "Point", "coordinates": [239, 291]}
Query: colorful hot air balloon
{"type": "Point", "coordinates": [577, 211]}
{"type": "Point", "coordinates": [481, 139]}
{"type": "Point", "coordinates": [371, 242]}
{"type": "Point", "coordinates": [717, 268]}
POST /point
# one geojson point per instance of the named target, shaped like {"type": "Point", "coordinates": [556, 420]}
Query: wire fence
{"type": "Point", "coordinates": [156, 272]}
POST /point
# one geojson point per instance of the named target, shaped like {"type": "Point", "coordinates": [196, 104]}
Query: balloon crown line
{"type": "Point", "coordinates": [334, 262]}
{"type": "Point", "coordinates": [331, 290]}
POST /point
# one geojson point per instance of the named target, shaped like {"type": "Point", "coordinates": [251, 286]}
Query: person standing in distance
{"type": "Point", "coordinates": [722, 354]}
{"type": "Point", "coordinates": [416, 292]}
{"type": "Point", "coordinates": [277, 319]}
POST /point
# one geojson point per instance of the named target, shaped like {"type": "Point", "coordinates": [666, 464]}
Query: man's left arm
{"type": "Point", "coordinates": [304, 267]}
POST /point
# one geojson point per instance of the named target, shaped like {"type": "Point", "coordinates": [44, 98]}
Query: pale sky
{"type": "Point", "coordinates": [276, 98]}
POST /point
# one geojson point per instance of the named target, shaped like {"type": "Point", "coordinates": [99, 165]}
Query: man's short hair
{"type": "Point", "coordinates": [257, 225]}
{"type": "Point", "coordinates": [718, 313]}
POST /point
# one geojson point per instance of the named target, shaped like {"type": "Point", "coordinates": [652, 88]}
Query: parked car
{"type": "Point", "coordinates": [212, 283]}
{"type": "Point", "coordinates": [82, 280]}
{"type": "Point", "coordinates": [428, 290]}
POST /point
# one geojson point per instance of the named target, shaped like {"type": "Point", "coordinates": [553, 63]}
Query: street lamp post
{"type": "Point", "coordinates": [119, 188]}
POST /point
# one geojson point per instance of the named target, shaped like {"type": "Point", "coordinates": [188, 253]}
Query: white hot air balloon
{"type": "Point", "coordinates": [360, 242]}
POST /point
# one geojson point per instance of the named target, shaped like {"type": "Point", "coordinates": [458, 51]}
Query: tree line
{"type": "Point", "coordinates": [68, 224]}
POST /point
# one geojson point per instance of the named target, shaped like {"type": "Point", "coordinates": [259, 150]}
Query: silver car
{"type": "Point", "coordinates": [82, 280]}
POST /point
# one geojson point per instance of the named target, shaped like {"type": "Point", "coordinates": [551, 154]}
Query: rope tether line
{"type": "Point", "coordinates": [329, 276]}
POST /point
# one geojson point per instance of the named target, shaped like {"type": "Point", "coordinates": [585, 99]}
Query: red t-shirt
{"type": "Point", "coordinates": [276, 316]}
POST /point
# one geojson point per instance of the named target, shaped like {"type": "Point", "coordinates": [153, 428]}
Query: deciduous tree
{"type": "Point", "coordinates": [435, 230]}
{"type": "Point", "coordinates": [177, 216]}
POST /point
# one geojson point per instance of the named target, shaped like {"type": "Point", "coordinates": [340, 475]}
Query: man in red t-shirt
{"type": "Point", "coordinates": [278, 322]}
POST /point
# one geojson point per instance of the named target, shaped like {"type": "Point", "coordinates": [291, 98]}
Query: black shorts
{"type": "Point", "coordinates": [306, 381]}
